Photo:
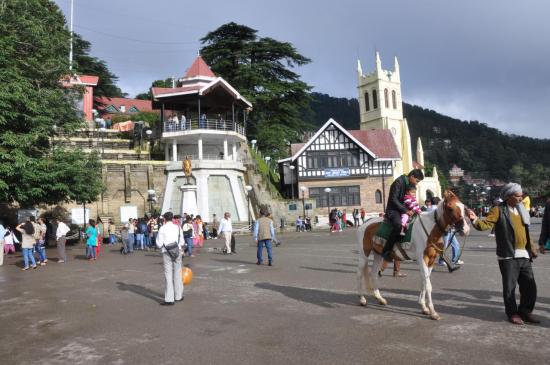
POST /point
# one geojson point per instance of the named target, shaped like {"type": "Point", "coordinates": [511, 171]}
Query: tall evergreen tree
{"type": "Point", "coordinates": [34, 46]}
{"type": "Point", "coordinates": [261, 69]}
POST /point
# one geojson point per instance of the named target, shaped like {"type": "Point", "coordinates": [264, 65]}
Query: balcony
{"type": "Point", "coordinates": [202, 125]}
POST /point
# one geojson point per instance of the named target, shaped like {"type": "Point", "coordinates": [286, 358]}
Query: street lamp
{"type": "Point", "coordinates": [328, 190]}
{"type": "Point", "coordinates": [292, 167]}
{"type": "Point", "coordinates": [248, 192]}
{"type": "Point", "coordinates": [151, 197]}
{"type": "Point", "coordinates": [149, 133]}
{"type": "Point", "coordinates": [253, 143]}
{"type": "Point", "coordinates": [303, 190]}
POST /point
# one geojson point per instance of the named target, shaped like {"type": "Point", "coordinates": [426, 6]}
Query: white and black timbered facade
{"type": "Point", "coordinates": [352, 163]}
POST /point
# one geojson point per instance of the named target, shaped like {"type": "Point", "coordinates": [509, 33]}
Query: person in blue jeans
{"type": "Point", "coordinates": [264, 233]}
{"type": "Point", "coordinates": [139, 236]}
{"type": "Point", "coordinates": [27, 243]}
{"type": "Point", "coordinates": [450, 239]}
{"type": "Point", "coordinates": [91, 240]}
{"type": "Point", "coordinates": [188, 233]}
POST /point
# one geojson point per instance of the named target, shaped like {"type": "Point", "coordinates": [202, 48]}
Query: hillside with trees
{"type": "Point", "coordinates": [480, 150]}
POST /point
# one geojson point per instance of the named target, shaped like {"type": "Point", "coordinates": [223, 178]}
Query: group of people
{"type": "Point", "coordinates": [303, 224]}
{"type": "Point", "coordinates": [176, 123]}
{"type": "Point", "coordinates": [31, 234]}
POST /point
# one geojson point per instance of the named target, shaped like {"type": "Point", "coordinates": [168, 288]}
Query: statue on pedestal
{"type": "Point", "coordinates": [187, 169]}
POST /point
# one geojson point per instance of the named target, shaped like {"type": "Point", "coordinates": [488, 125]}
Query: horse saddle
{"type": "Point", "coordinates": [403, 243]}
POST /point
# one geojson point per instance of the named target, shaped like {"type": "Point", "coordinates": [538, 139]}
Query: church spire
{"type": "Point", "coordinates": [395, 65]}
{"type": "Point", "coordinates": [419, 152]}
{"type": "Point", "coordinates": [359, 68]}
{"type": "Point", "coordinates": [378, 64]}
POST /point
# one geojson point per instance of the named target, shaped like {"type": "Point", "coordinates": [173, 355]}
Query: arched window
{"type": "Point", "coordinates": [367, 104]}
{"type": "Point", "coordinates": [386, 98]}
{"type": "Point", "coordinates": [378, 197]}
{"type": "Point", "coordinates": [374, 99]}
{"type": "Point", "coordinates": [394, 99]}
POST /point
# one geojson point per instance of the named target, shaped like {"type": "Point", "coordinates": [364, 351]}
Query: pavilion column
{"type": "Point", "coordinates": [199, 142]}
{"type": "Point", "coordinates": [225, 149]}
{"type": "Point", "coordinates": [166, 152]}
{"type": "Point", "coordinates": [174, 150]}
{"type": "Point", "coordinates": [234, 151]}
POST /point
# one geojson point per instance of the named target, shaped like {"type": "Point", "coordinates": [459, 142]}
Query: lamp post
{"type": "Point", "coordinates": [253, 143]}
{"type": "Point", "coordinates": [292, 167]}
{"type": "Point", "coordinates": [151, 196]}
{"type": "Point", "coordinates": [267, 159]}
{"type": "Point", "coordinates": [149, 133]}
{"type": "Point", "coordinates": [328, 190]}
{"type": "Point", "coordinates": [303, 190]}
{"type": "Point", "coordinates": [248, 192]}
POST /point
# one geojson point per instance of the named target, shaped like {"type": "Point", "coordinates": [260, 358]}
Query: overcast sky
{"type": "Point", "coordinates": [474, 60]}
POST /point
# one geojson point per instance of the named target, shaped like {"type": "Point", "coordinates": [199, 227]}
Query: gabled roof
{"type": "Point", "coordinates": [378, 143]}
{"type": "Point", "coordinates": [141, 105]}
{"type": "Point", "coordinates": [89, 80]}
{"type": "Point", "coordinates": [199, 68]}
{"type": "Point", "coordinates": [163, 92]}
{"type": "Point", "coordinates": [75, 79]}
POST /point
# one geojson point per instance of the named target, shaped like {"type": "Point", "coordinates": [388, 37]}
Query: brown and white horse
{"type": "Point", "coordinates": [427, 238]}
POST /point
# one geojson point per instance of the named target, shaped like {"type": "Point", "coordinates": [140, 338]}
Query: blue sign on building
{"type": "Point", "coordinates": [337, 172]}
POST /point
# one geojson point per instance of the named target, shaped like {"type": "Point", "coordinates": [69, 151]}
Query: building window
{"type": "Point", "coordinates": [386, 98]}
{"type": "Point", "coordinates": [394, 99]}
{"type": "Point", "coordinates": [332, 159]}
{"type": "Point", "coordinates": [339, 196]}
{"type": "Point", "coordinates": [374, 99]}
{"type": "Point", "coordinates": [378, 197]}
{"type": "Point", "coordinates": [367, 104]}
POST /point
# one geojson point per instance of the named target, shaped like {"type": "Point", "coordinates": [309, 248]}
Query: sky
{"type": "Point", "coordinates": [473, 60]}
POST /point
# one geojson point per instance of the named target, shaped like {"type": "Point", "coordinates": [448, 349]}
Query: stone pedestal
{"type": "Point", "coordinates": [189, 199]}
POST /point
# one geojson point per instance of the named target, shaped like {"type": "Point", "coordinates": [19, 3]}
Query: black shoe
{"type": "Point", "coordinates": [167, 303]}
{"type": "Point", "coordinates": [269, 264]}
{"type": "Point", "coordinates": [258, 263]}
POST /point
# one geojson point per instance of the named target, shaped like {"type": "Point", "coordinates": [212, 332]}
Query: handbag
{"type": "Point", "coordinates": [173, 249]}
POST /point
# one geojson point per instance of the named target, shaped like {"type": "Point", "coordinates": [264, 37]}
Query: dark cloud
{"type": "Point", "coordinates": [475, 60]}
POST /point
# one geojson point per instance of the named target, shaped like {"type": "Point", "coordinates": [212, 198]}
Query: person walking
{"type": "Point", "coordinates": [2, 235]}
{"type": "Point", "coordinates": [356, 217]}
{"type": "Point", "coordinates": [131, 235]}
{"type": "Point", "coordinates": [363, 214]}
{"type": "Point", "coordinates": [215, 225]}
{"type": "Point", "coordinates": [171, 233]}
{"type": "Point", "coordinates": [226, 229]}
{"type": "Point", "coordinates": [61, 237]}
{"type": "Point", "coordinates": [514, 251]}
{"type": "Point", "coordinates": [41, 242]}
{"type": "Point", "coordinates": [189, 235]}
{"type": "Point", "coordinates": [112, 232]}
{"type": "Point", "coordinates": [100, 233]}
{"type": "Point", "coordinates": [27, 243]}
{"type": "Point", "coordinates": [91, 240]}
{"type": "Point", "coordinates": [264, 233]}
{"type": "Point", "coordinates": [9, 241]}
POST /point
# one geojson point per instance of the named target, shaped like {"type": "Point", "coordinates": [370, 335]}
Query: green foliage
{"type": "Point", "coordinates": [343, 110]}
{"type": "Point", "coordinates": [152, 118]}
{"type": "Point", "coordinates": [33, 103]}
{"type": "Point", "coordinates": [85, 64]}
{"type": "Point", "coordinates": [261, 70]}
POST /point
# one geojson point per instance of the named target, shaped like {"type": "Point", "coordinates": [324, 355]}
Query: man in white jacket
{"type": "Point", "coordinates": [170, 233]}
{"type": "Point", "coordinates": [226, 229]}
{"type": "Point", "coordinates": [60, 235]}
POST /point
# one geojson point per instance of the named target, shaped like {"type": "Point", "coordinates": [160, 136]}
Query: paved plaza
{"type": "Point", "coordinates": [303, 310]}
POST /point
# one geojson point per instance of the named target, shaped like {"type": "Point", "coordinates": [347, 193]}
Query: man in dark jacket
{"type": "Point", "coordinates": [395, 208]}
{"type": "Point", "coordinates": [545, 228]}
{"type": "Point", "coordinates": [510, 220]}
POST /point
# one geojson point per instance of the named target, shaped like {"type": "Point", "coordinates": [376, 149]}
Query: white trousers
{"type": "Point", "coordinates": [173, 281]}
{"type": "Point", "coordinates": [227, 236]}
{"type": "Point", "coordinates": [1, 252]}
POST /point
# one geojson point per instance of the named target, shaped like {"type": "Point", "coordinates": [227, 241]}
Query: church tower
{"type": "Point", "coordinates": [381, 107]}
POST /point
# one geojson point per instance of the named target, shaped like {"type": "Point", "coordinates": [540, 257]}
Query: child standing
{"type": "Point", "coordinates": [9, 241]}
{"type": "Point", "coordinates": [411, 204]}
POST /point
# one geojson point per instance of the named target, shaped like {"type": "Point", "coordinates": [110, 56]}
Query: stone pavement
{"type": "Point", "coordinates": [302, 310]}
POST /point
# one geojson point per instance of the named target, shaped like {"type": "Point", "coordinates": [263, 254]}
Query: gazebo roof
{"type": "Point", "coordinates": [199, 68]}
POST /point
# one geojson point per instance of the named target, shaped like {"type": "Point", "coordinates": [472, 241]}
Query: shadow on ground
{"type": "Point", "coordinates": [140, 290]}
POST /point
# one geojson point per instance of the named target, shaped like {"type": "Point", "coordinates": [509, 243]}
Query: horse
{"type": "Point", "coordinates": [426, 236]}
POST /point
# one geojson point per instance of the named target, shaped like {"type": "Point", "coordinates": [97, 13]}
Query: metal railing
{"type": "Point", "coordinates": [207, 156]}
{"type": "Point", "coordinates": [211, 124]}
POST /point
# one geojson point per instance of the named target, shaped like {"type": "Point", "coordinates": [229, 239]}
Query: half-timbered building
{"type": "Point", "coordinates": [357, 166]}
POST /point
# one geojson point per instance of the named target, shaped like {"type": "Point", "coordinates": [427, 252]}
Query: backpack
{"type": "Point", "coordinates": [37, 232]}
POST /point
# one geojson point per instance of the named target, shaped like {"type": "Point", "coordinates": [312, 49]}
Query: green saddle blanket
{"type": "Point", "coordinates": [385, 229]}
